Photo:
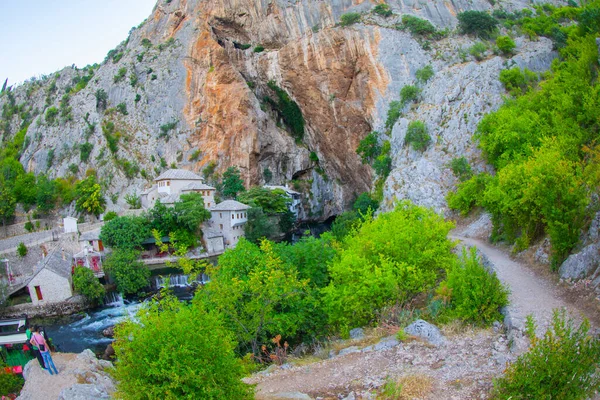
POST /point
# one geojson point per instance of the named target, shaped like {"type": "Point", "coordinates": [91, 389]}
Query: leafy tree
{"type": "Point", "coordinates": [127, 232]}
{"type": "Point", "coordinates": [393, 115]}
{"type": "Point", "coordinates": [191, 352]}
{"type": "Point", "coordinates": [364, 202]}
{"type": "Point", "coordinates": [87, 284]}
{"type": "Point", "coordinates": [289, 110]}
{"type": "Point", "coordinates": [85, 149]}
{"type": "Point", "coordinates": [124, 267]}
{"type": "Point", "coordinates": [7, 203]}
{"type": "Point", "coordinates": [477, 23]}
{"type": "Point", "coordinates": [46, 194]}
{"type": "Point", "coordinates": [424, 74]}
{"type": "Point", "coordinates": [259, 296]}
{"type": "Point", "coordinates": [383, 10]}
{"type": "Point", "coordinates": [190, 211]}
{"type": "Point", "coordinates": [409, 94]}
{"type": "Point", "coordinates": [461, 168]}
{"type": "Point", "coordinates": [383, 162]}
{"type": "Point", "coordinates": [368, 148]}
{"type": "Point", "coordinates": [231, 183]}
{"type": "Point", "coordinates": [271, 201]}
{"type": "Point", "coordinates": [518, 81]}
{"type": "Point", "coordinates": [89, 196]}
{"type": "Point", "coordinates": [101, 99]}
{"type": "Point", "coordinates": [22, 250]}
{"type": "Point", "coordinates": [387, 261]}
{"type": "Point", "coordinates": [162, 218]}
{"type": "Point", "coordinates": [418, 26]}
{"type": "Point", "coordinates": [417, 136]}
{"type": "Point", "coordinates": [345, 223]}
{"type": "Point", "coordinates": [258, 226]}
{"type": "Point", "coordinates": [24, 190]}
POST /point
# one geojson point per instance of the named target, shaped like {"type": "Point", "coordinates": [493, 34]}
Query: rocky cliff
{"type": "Point", "coordinates": [191, 86]}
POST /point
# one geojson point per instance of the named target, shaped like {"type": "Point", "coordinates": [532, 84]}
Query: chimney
{"type": "Point", "coordinates": [62, 251]}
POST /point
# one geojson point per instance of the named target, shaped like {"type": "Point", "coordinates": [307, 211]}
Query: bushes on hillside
{"type": "Point", "coordinates": [505, 44]}
{"type": "Point", "coordinates": [563, 364]}
{"type": "Point", "coordinates": [349, 19]}
{"type": "Point", "coordinates": [518, 81]}
{"type": "Point", "coordinates": [477, 23]}
{"type": "Point", "coordinates": [186, 353]}
{"type": "Point", "coordinates": [417, 135]}
{"type": "Point", "coordinates": [418, 26]}
{"type": "Point", "coordinates": [387, 261]}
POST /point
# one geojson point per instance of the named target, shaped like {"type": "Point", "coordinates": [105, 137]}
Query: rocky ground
{"type": "Point", "coordinates": [81, 377]}
{"type": "Point", "coordinates": [462, 366]}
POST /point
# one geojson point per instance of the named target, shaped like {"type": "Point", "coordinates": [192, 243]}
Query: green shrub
{"type": "Point", "coordinates": [418, 26]}
{"type": "Point", "coordinates": [146, 43]}
{"type": "Point", "coordinates": [73, 169]}
{"type": "Point", "coordinates": [85, 149]}
{"type": "Point", "coordinates": [259, 49]}
{"type": "Point", "coordinates": [122, 108]}
{"type": "Point", "coordinates": [477, 23]}
{"type": "Point", "coordinates": [313, 157]}
{"type": "Point", "coordinates": [101, 98]}
{"type": "Point", "coordinates": [29, 226]}
{"type": "Point", "coordinates": [472, 293]}
{"type": "Point", "coordinates": [417, 136]}
{"type": "Point", "coordinates": [563, 364]}
{"type": "Point", "coordinates": [111, 135]}
{"type": "Point", "coordinates": [120, 75]}
{"type": "Point", "coordinates": [368, 148]}
{"type": "Point", "coordinates": [110, 216]}
{"type": "Point", "coordinates": [51, 114]}
{"type": "Point", "coordinates": [349, 19]}
{"type": "Point", "coordinates": [409, 94]}
{"type": "Point", "coordinates": [138, 97]}
{"type": "Point", "coordinates": [288, 110]}
{"type": "Point", "coordinates": [424, 74]}
{"type": "Point", "coordinates": [85, 283]}
{"type": "Point", "coordinates": [10, 384]}
{"type": "Point", "coordinates": [383, 163]}
{"type": "Point", "coordinates": [505, 44]}
{"type": "Point", "coordinates": [383, 10]}
{"type": "Point", "coordinates": [134, 201]}
{"type": "Point", "coordinates": [117, 57]}
{"type": "Point", "coordinates": [468, 194]}
{"type": "Point", "coordinates": [203, 368]}
{"type": "Point", "coordinates": [478, 50]}
{"type": "Point", "coordinates": [22, 249]}
{"type": "Point", "coordinates": [124, 267]}
{"type": "Point", "coordinates": [393, 115]}
{"type": "Point", "coordinates": [461, 168]}
{"type": "Point", "coordinates": [166, 128]}
{"type": "Point", "coordinates": [50, 158]}
{"type": "Point", "coordinates": [195, 155]}
{"type": "Point", "coordinates": [387, 261]}
{"type": "Point", "coordinates": [518, 81]}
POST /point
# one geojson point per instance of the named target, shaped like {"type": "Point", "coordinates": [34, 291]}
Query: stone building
{"type": "Point", "coordinates": [230, 218]}
{"type": "Point", "coordinates": [171, 184]}
{"type": "Point", "coordinates": [51, 282]}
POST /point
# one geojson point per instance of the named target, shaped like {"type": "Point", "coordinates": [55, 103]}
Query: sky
{"type": "Point", "coordinates": [41, 36]}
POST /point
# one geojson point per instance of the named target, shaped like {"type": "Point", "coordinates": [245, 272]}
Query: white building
{"type": "Point", "coordinates": [70, 224]}
{"type": "Point", "coordinates": [296, 198]}
{"type": "Point", "coordinates": [171, 184]}
{"type": "Point", "coordinates": [230, 218]}
{"type": "Point", "coordinates": [52, 281]}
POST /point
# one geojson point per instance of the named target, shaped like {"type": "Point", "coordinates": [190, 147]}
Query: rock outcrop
{"type": "Point", "coordinates": [191, 86]}
{"type": "Point", "coordinates": [80, 376]}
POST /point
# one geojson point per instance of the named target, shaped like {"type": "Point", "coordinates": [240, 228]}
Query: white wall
{"type": "Point", "coordinates": [70, 225]}
{"type": "Point", "coordinates": [54, 288]}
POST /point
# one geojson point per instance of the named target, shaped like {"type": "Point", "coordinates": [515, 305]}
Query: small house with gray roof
{"type": "Point", "coordinates": [230, 218]}
{"type": "Point", "coordinates": [171, 184]}
{"type": "Point", "coordinates": [51, 282]}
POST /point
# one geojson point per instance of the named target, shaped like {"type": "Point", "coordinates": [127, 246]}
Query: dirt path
{"type": "Point", "coordinates": [529, 293]}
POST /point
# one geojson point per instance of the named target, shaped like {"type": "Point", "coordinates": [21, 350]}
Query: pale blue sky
{"type": "Point", "coordinates": [42, 36]}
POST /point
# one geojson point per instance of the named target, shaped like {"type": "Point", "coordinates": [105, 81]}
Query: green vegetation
{"type": "Point", "coordinates": [111, 135]}
{"type": "Point", "coordinates": [387, 261]}
{"type": "Point", "coordinates": [10, 384]}
{"type": "Point", "coordinates": [133, 200]}
{"type": "Point", "coordinates": [124, 267]}
{"type": "Point", "coordinates": [146, 43]}
{"type": "Point", "coordinates": [349, 19]}
{"type": "Point", "coordinates": [543, 147]}
{"type": "Point", "coordinates": [409, 94]}
{"type": "Point", "coordinates": [125, 233]}
{"type": "Point", "coordinates": [505, 44]}
{"type": "Point", "coordinates": [85, 149]}
{"type": "Point", "coordinates": [269, 208]}
{"type": "Point", "coordinates": [518, 81]}
{"type": "Point", "coordinates": [231, 183]}
{"type": "Point", "coordinates": [172, 335]}
{"type": "Point", "coordinates": [313, 157]}
{"type": "Point", "coordinates": [424, 74]}
{"type": "Point", "coordinates": [478, 50]}
{"type": "Point", "coordinates": [8, 203]}
{"type": "Point", "coordinates": [89, 196]}
{"type": "Point", "coordinates": [101, 99]}
{"type": "Point", "coordinates": [417, 136]}
{"type": "Point", "coordinates": [122, 108]}
{"type": "Point", "coordinates": [471, 293]}
{"type": "Point", "coordinates": [369, 148]}
{"type": "Point", "coordinates": [418, 26]}
{"type": "Point", "coordinates": [120, 75]}
{"type": "Point", "coordinates": [461, 168]}
{"type": "Point", "coordinates": [383, 10]}
{"type": "Point", "coordinates": [190, 212]}
{"type": "Point", "coordinates": [477, 23]}
{"type": "Point", "coordinates": [22, 250]}
{"type": "Point", "coordinates": [51, 114]}
{"type": "Point", "coordinates": [166, 128]}
{"type": "Point", "coordinates": [259, 49]}
{"type": "Point", "coordinates": [288, 111]}
{"type": "Point", "coordinates": [87, 284]}
{"type": "Point", "coordinates": [195, 155]}
{"type": "Point", "coordinates": [383, 163]}
{"type": "Point", "coordinates": [562, 364]}
{"type": "Point", "coordinates": [393, 114]}
{"type": "Point", "coordinates": [109, 216]}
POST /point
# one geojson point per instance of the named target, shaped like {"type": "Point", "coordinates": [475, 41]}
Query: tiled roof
{"type": "Point", "coordinates": [197, 186]}
{"type": "Point", "coordinates": [54, 262]}
{"type": "Point", "coordinates": [230, 205]}
{"type": "Point", "coordinates": [170, 199]}
{"type": "Point", "coordinates": [91, 235]}
{"type": "Point", "coordinates": [178, 174]}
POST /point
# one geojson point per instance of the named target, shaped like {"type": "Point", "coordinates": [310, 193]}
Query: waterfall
{"type": "Point", "coordinates": [113, 299]}
{"type": "Point", "coordinates": [178, 280]}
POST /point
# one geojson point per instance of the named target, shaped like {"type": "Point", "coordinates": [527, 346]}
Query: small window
{"type": "Point", "coordinates": [232, 216]}
{"type": "Point", "coordinates": [220, 215]}
{"type": "Point", "coordinates": [208, 204]}
{"type": "Point", "coordinates": [38, 292]}
{"type": "Point", "coordinates": [168, 183]}
{"type": "Point", "coordinates": [221, 226]}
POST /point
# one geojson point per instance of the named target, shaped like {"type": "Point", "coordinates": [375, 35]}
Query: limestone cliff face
{"type": "Point", "coordinates": [199, 75]}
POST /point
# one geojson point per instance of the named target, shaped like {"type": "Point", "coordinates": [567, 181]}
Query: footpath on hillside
{"type": "Point", "coordinates": [464, 368]}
